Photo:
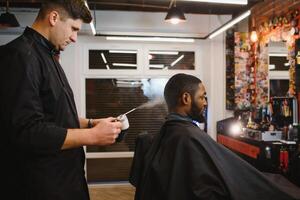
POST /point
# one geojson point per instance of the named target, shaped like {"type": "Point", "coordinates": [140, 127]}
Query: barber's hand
{"type": "Point", "coordinates": [96, 121]}
{"type": "Point", "coordinates": [105, 131]}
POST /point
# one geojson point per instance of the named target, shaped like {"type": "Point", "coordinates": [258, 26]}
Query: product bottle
{"type": "Point", "coordinates": [285, 132]}
{"type": "Point", "coordinates": [295, 132]}
{"type": "Point", "coordinates": [298, 58]}
{"type": "Point", "coordinates": [290, 133]}
{"type": "Point", "coordinates": [125, 125]}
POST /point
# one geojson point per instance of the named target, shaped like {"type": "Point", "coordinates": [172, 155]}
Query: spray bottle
{"type": "Point", "coordinates": [124, 120]}
{"type": "Point", "coordinates": [125, 125]}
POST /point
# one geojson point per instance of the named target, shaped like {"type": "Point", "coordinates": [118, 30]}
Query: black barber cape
{"type": "Point", "coordinates": [184, 163]}
{"type": "Point", "coordinates": [37, 108]}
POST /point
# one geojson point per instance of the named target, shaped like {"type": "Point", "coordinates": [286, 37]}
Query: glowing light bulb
{"type": "Point", "coordinates": [236, 129]}
{"type": "Point", "coordinates": [175, 20]}
{"type": "Point", "coordinates": [253, 36]}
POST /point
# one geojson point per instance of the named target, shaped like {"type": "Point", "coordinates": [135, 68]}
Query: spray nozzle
{"type": "Point", "coordinates": [130, 111]}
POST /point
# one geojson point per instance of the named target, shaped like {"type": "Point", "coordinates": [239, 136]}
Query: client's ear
{"type": "Point", "coordinates": [186, 98]}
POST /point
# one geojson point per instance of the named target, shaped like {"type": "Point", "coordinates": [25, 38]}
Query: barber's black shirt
{"type": "Point", "coordinates": [37, 108]}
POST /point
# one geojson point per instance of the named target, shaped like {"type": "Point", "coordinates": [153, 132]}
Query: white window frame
{"type": "Point", "coordinates": [97, 72]}
{"type": "Point", "coordinates": [142, 71]}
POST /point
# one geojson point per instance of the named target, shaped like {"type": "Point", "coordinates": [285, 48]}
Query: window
{"type": "Point", "coordinates": [112, 59]}
{"type": "Point", "coordinates": [112, 97]}
{"type": "Point", "coordinates": [278, 62]}
{"type": "Point", "coordinates": [119, 78]}
{"type": "Point", "coordinates": [278, 87]}
{"type": "Point", "coordinates": [171, 60]}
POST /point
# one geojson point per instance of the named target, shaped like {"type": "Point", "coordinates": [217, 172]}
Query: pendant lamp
{"type": "Point", "coordinates": [7, 19]}
{"type": "Point", "coordinates": [175, 15]}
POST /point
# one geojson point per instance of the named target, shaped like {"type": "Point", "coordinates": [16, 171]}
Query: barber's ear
{"type": "Point", "coordinates": [53, 17]}
{"type": "Point", "coordinates": [186, 98]}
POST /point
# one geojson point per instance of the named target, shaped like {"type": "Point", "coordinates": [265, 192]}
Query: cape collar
{"type": "Point", "coordinates": [178, 117]}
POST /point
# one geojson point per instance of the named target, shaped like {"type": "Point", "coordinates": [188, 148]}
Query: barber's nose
{"type": "Point", "coordinates": [73, 37]}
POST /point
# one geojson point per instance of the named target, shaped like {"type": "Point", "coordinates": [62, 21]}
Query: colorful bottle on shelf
{"type": "Point", "coordinates": [298, 58]}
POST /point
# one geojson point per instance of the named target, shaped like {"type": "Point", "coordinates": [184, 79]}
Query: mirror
{"type": "Point", "coordinates": [278, 69]}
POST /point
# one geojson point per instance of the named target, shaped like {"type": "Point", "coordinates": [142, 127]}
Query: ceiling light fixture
{"type": "Point", "coordinates": [164, 52]}
{"type": "Point", "coordinates": [239, 2]}
{"type": "Point", "coordinates": [103, 58]}
{"type": "Point", "coordinates": [92, 25]}
{"type": "Point", "coordinates": [177, 60]}
{"type": "Point", "coordinates": [7, 19]}
{"type": "Point", "coordinates": [129, 83]}
{"type": "Point", "coordinates": [175, 15]}
{"type": "Point", "coordinates": [150, 39]}
{"type": "Point", "coordinates": [124, 65]}
{"type": "Point", "coordinates": [271, 67]}
{"type": "Point", "coordinates": [229, 24]}
{"type": "Point", "coordinates": [277, 54]}
{"type": "Point", "coordinates": [157, 66]}
{"type": "Point", "coordinates": [123, 51]}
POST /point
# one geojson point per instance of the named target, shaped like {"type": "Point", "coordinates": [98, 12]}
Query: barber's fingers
{"type": "Point", "coordinates": [115, 136]}
{"type": "Point", "coordinates": [117, 124]}
{"type": "Point", "coordinates": [111, 119]}
{"type": "Point", "coordinates": [116, 130]}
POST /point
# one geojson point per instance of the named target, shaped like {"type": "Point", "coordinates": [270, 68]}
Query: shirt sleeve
{"type": "Point", "coordinates": [28, 129]}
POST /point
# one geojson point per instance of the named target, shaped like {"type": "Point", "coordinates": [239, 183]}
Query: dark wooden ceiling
{"type": "Point", "coordinates": [149, 6]}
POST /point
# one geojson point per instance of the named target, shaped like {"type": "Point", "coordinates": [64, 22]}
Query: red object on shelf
{"type": "Point", "coordinates": [285, 160]}
{"type": "Point", "coordinates": [281, 158]}
{"type": "Point", "coordinates": [241, 147]}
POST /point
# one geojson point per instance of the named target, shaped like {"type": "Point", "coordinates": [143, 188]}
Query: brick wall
{"type": "Point", "coordinates": [265, 10]}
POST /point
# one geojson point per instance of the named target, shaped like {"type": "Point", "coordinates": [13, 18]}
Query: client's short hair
{"type": "Point", "coordinates": [74, 9]}
{"type": "Point", "coordinates": [177, 85]}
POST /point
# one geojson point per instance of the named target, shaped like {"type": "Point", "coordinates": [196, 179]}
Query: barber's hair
{"type": "Point", "coordinates": [177, 85]}
{"type": "Point", "coordinates": [74, 9]}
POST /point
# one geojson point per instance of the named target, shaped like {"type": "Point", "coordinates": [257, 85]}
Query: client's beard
{"type": "Point", "coordinates": [197, 114]}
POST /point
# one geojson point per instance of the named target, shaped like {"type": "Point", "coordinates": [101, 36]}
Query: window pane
{"type": "Point", "coordinates": [279, 63]}
{"type": "Point", "coordinates": [112, 59]}
{"type": "Point", "coordinates": [164, 60]}
{"type": "Point", "coordinates": [108, 169]}
{"type": "Point", "coordinates": [279, 88]}
{"type": "Point", "coordinates": [112, 97]}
